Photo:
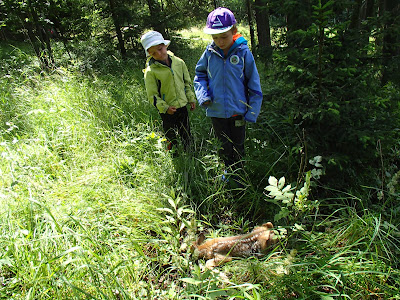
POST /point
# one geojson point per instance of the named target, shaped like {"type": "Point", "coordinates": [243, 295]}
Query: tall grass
{"type": "Point", "coordinates": [93, 206]}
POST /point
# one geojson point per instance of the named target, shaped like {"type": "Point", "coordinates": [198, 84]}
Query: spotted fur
{"type": "Point", "coordinates": [220, 250]}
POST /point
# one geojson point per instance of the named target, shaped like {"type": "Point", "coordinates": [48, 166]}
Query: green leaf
{"type": "Point", "coordinates": [287, 188]}
{"type": "Point", "coordinates": [168, 210]}
{"type": "Point", "coordinates": [282, 214]}
{"type": "Point", "coordinates": [281, 183]}
{"type": "Point", "coordinates": [275, 193]}
{"type": "Point", "coordinates": [172, 203]}
{"type": "Point", "coordinates": [271, 188]}
{"type": "Point", "coordinates": [191, 281]}
{"type": "Point", "coordinates": [272, 181]}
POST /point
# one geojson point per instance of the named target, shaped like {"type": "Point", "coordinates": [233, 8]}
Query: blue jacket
{"type": "Point", "coordinates": [231, 83]}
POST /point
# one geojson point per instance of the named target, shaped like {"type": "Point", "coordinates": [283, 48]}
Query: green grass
{"type": "Point", "coordinates": [93, 207]}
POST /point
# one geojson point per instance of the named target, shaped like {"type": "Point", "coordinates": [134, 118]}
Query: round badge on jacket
{"type": "Point", "coordinates": [234, 59]}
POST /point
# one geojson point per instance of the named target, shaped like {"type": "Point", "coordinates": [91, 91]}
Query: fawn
{"type": "Point", "coordinates": [220, 250]}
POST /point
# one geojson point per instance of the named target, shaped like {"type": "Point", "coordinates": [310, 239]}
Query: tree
{"type": "Point", "coordinates": [331, 91]}
{"type": "Point", "coordinates": [29, 16]}
{"type": "Point", "coordinates": [250, 20]}
{"type": "Point", "coordinates": [298, 19]}
{"type": "Point", "coordinates": [263, 28]}
{"type": "Point", "coordinates": [157, 18]}
{"type": "Point", "coordinates": [391, 40]}
{"type": "Point", "coordinates": [41, 22]}
{"type": "Point", "coordinates": [114, 10]}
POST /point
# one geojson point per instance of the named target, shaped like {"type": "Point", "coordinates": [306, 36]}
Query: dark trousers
{"type": "Point", "coordinates": [231, 133]}
{"type": "Point", "coordinates": [177, 126]}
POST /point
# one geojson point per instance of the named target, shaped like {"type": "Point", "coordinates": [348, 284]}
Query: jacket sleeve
{"type": "Point", "coordinates": [153, 94]}
{"type": "Point", "coordinates": [188, 85]}
{"type": "Point", "coordinates": [201, 80]}
{"type": "Point", "coordinates": [253, 89]}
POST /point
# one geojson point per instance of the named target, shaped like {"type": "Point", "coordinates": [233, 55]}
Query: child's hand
{"type": "Point", "coordinates": [192, 105]}
{"type": "Point", "coordinates": [171, 110]}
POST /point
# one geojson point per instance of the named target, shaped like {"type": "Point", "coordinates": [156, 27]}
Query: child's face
{"type": "Point", "coordinates": [158, 52]}
{"type": "Point", "coordinates": [224, 40]}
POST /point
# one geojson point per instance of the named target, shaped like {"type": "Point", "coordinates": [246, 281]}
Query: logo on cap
{"type": "Point", "coordinates": [217, 22]}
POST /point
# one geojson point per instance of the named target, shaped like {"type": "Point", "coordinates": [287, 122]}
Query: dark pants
{"type": "Point", "coordinates": [177, 125]}
{"type": "Point", "coordinates": [232, 133]}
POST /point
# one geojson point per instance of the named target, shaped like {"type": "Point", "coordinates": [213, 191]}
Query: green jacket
{"type": "Point", "coordinates": [168, 86]}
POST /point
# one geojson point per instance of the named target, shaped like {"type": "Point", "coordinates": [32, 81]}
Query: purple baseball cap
{"type": "Point", "coordinates": [219, 20]}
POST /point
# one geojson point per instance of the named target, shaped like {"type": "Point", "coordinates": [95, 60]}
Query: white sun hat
{"type": "Point", "coordinates": [153, 38]}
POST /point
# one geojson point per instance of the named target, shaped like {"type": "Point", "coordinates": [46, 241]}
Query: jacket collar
{"type": "Point", "coordinates": [238, 41]}
{"type": "Point", "coordinates": [151, 60]}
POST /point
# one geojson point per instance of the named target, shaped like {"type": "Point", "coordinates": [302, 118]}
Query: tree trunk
{"type": "Point", "coordinates": [360, 28]}
{"type": "Point", "coordinates": [263, 28]}
{"type": "Point", "coordinates": [369, 11]}
{"type": "Point", "coordinates": [115, 17]}
{"type": "Point", "coordinates": [355, 17]}
{"type": "Point", "coordinates": [391, 40]}
{"type": "Point", "coordinates": [250, 20]}
{"type": "Point", "coordinates": [34, 44]}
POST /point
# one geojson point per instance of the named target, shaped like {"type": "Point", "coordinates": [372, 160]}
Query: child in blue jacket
{"type": "Point", "coordinates": [227, 84]}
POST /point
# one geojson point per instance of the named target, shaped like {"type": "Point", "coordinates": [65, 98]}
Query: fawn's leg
{"type": "Point", "coordinates": [218, 259]}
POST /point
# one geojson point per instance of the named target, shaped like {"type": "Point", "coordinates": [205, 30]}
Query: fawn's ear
{"type": "Point", "coordinates": [201, 238]}
{"type": "Point", "coordinates": [268, 225]}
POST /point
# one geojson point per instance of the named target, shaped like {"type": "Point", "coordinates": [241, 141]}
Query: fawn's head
{"type": "Point", "coordinates": [194, 248]}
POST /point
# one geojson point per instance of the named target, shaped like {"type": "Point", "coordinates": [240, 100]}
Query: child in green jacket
{"type": "Point", "coordinates": [169, 87]}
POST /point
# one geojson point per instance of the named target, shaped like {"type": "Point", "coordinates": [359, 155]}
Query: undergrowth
{"type": "Point", "coordinates": [94, 207]}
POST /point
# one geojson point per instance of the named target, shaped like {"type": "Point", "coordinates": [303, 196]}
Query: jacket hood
{"type": "Point", "coordinates": [238, 40]}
